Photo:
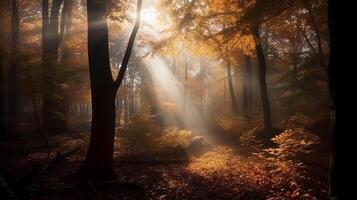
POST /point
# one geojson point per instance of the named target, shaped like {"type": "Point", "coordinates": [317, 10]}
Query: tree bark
{"type": "Point", "coordinates": [334, 180]}
{"type": "Point", "coordinates": [185, 94]}
{"type": "Point", "coordinates": [132, 77]}
{"type": "Point", "coordinates": [262, 80]}
{"type": "Point", "coordinates": [13, 101]}
{"type": "Point", "coordinates": [98, 163]}
{"type": "Point", "coordinates": [231, 90]}
{"type": "Point", "coordinates": [53, 103]}
{"type": "Point", "coordinates": [65, 35]}
{"type": "Point", "coordinates": [103, 94]}
{"type": "Point", "coordinates": [247, 86]}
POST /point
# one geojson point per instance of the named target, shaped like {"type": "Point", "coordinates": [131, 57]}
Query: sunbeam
{"type": "Point", "coordinates": [172, 89]}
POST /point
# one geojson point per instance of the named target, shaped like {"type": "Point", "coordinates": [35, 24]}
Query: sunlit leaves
{"type": "Point", "coordinates": [294, 142]}
{"type": "Point", "coordinates": [173, 137]}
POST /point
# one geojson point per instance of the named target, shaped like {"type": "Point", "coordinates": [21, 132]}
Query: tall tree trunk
{"type": "Point", "coordinates": [103, 90]}
{"type": "Point", "coordinates": [13, 101]}
{"type": "Point", "coordinates": [102, 94]}
{"type": "Point", "coordinates": [247, 86]}
{"type": "Point", "coordinates": [262, 80]}
{"type": "Point", "coordinates": [202, 79]}
{"type": "Point", "coordinates": [231, 90]}
{"type": "Point", "coordinates": [126, 112]}
{"type": "Point", "coordinates": [132, 76]}
{"type": "Point", "coordinates": [65, 35]}
{"type": "Point", "coordinates": [53, 103]}
{"type": "Point", "coordinates": [185, 94]}
{"type": "Point", "coordinates": [174, 67]}
{"type": "Point", "coordinates": [225, 93]}
{"type": "Point", "coordinates": [334, 188]}
{"type": "Point", "coordinates": [296, 44]}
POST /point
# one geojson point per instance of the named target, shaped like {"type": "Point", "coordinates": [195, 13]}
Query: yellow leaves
{"type": "Point", "coordinates": [200, 47]}
{"type": "Point", "coordinates": [205, 33]}
{"type": "Point", "coordinates": [173, 137]}
{"type": "Point", "coordinates": [218, 160]}
{"type": "Point", "coordinates": [294, 141]}
{"type": "Point", "coordinates": [248, 139]}
{"type": "Point", "coordinates": [245, 43]}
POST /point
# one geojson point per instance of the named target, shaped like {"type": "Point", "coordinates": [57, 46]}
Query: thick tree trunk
{"type": "Point", "coordinates": [13, 101]}
{"type": "Point", "coordinates": [98, 162]}
{"type": "Point", "coordinates": [231, 90]}
{"type": "Point", "coordinates": [334, 188]}
{"type": "Point", "coordinates": [102, 136]}
{"type": "Point", "coordinates": [262, 81]}
{"type": "Point", "coordinates": [247, 86]}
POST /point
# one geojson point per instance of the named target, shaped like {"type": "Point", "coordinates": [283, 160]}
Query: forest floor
{"type": "Point", "coordinates": [221, 173]}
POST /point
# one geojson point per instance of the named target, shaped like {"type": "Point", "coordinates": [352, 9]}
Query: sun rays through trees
{"type": "Point", "coordinates": [164, 99]}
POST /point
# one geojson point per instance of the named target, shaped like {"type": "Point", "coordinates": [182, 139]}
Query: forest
{"type": "Point", "coordinates": [167, 99]}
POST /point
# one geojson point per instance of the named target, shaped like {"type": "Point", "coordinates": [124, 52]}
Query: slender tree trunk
{"type": "Point", "coordinates": [225, 92]}
{"type": "Point", "coordinates": [236, 82]}
{"type": "Point", "coordinates": [247, 86]}
{"type": "Point", "coordinates": [132, 94]}
{"type": "Point", "coordinates": [36, 112]}
{"type": "Point", "coordinates": [262, 80]}
{"type": "Point", "coordinates": [202, 79]}
{"type": "Point", "coordinates": [185, 94]}
{"type": "Point", "coordinates": [13, 101]}
{"type": "Point", "coordinates": [174, 66]}
{"type": "Point", "coordinates": [296, 44]}
{"type": "Point", "coordinates": [231, 90]}
{"type": "Point", "coordinates": [126, 113]}
{"type": "Point", "coordinates": [54, 105]}
{"type": "Point", "coordinates": [65, 35]}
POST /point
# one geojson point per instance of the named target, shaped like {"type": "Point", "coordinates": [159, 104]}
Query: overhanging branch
{"type": "Point", "coordinates": [129, 48]}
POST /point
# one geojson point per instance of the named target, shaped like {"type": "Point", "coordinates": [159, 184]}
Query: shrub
{"type": "Point", "coordinates": [248, 139]}
{"type": "Point", "coordinates": [297, 121]}
{"type": "Point", "coordinates": [293, 143]}
{"type": "Point", "coordinates": [173, 137]}
{"type": "Point", "coordinates": [141, 133]}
